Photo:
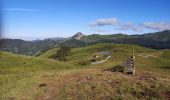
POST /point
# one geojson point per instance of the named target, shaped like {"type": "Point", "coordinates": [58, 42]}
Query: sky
{"type": "Point", "coordinates": [39, 19]}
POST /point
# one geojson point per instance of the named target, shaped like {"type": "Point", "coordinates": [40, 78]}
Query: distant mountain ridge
{"type": "Point", "coordinates": [26, 47]}
{"type": "Point", "coordinates": [159, 36]}
{"type": "Point", "coordinates": [56, 38]}
{"type": "Point", "coordinates": [96, 37]}
{"type": "Point", "coordinates": [157, 40]}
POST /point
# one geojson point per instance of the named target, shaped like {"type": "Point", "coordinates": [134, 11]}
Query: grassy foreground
{"type": "Point", "coordinates": [40, 78]}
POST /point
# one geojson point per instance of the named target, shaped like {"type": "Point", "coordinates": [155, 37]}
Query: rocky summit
{"type": "Point", "coordinates": [78, 36]}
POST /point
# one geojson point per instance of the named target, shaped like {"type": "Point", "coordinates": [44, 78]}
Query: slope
{"type": "Point", "coordinates": [41, 78]}
{"type": "Point", "coordinates": [145, 58]}
{"type": "Point", "coordinates": [20, 75]}
{"type": "Point", "coordinates": [91, 82]}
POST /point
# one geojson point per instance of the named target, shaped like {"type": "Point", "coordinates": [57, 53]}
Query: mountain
{"type": "Point", "coordinates": [26, 47]}
{"type": "Point", "coordinates": [97, 37]}
{"type": "Point", "coordinates": [158, 36]}
{"type": "Point", "coordinates": [157, 40]}
{"type": "Point", "coordinates": [78, 36]}
{"type": "Point", "coordinates": [73, 43]}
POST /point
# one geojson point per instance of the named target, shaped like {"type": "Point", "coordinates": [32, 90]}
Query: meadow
{"type": "Point", "coordinates": [42, 78]}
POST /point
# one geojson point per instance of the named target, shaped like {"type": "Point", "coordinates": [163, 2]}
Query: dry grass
{"type": "Point", "coordinates": [96, 84]}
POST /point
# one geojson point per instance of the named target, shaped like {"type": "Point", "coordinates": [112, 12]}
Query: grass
{"type": "Point", "coordinates": [28, 78]}
{"type": "Point", "coordinates": [19, 73]}
{"type": "Point", "coordinates": [166, 54]}
{"type": "Point", "coordinates": [149, 59]}
{"type": "Point", "coordinates": [85, 84]}
{"type": "Point", "coordinates": [49, 53]}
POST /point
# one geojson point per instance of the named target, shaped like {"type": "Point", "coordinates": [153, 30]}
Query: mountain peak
{"type": "Point", "coordinates": [78, 36]}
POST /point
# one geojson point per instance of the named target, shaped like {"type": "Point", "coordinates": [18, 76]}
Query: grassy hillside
{"type": "Point", "coordinates": [48, 53]}
{"type": "Point", "coordinates": [166, 54]}
{"type": "Point", "coordinates": [20, 75]}
{"type": "Point", "coordinates": [95, 84]}
{"type": "Point", "coordinates": [26, 77]}
{"type": "Point", "coordinates": [73, 43]}
{"type": "Point", "coordinates": [145, 58]}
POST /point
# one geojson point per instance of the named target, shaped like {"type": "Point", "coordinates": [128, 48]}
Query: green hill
{"type": "Point", "coordinates": [48, 53]}
{"type": "Point", "coordinates": [145, 58]}
{"type": "Point", "coordinates": [26, 77]}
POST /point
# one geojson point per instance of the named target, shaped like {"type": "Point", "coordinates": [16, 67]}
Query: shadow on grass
{"type": "Point", "coordinates": [165, 67]}
{"type": "Point", "coordinates": [117, 68]}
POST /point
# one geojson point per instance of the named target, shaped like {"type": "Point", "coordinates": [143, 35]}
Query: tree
{"type": "Point", "coordinates": [62, 53]}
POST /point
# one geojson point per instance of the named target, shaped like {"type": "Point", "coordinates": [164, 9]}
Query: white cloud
{"type": "Point", "coordinates": [100, 30]}
{"type": "Point", "coordinates": [126, 26]}
{"type": "Point", "coordinates": [104, 21]}
{"type": "Point", "coordinates": [138, 28]}
{"type": "Point", "coordinates": [20, 9]}
{"type": "Point", "coordinates": [143, 26]}
{"type": "Point", "coordinates": [129, 26]}
{"type": "Point", "coordinates": [157, 25]}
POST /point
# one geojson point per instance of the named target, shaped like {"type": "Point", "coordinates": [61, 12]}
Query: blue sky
{"type": "Point", "coordinates": [39, 19]}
